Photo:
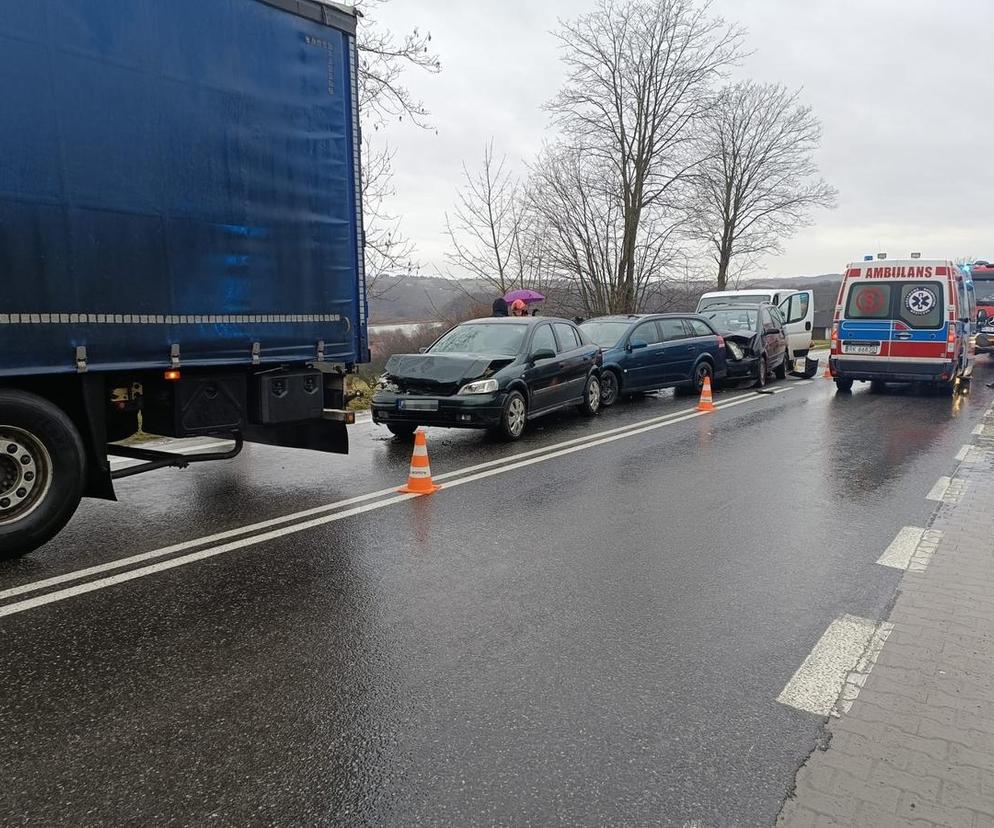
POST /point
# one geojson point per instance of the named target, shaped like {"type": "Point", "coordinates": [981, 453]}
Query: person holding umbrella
{"type": "Point", "coordinates": [519, 308]}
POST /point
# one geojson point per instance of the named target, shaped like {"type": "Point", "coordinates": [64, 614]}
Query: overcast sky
{"type": "Point", "coordinates": [904, 90]}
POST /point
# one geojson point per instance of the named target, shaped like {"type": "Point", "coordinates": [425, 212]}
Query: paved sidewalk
{"type": "Point", "coordinates": [916, 746]}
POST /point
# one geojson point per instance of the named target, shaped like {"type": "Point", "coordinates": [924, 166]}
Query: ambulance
{"type": "Point", "coordinates": [904, 321]}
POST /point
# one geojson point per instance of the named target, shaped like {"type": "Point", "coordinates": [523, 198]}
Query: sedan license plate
{"type": "Point", "coordinates": [417, 405]}
{"type": "Point", "coordinates": [872, 348]}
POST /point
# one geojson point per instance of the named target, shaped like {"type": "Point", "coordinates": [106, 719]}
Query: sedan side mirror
{"type": "Point", "coordinates": [637, 345]}
{"type": "Point", "coordinates": [543, 353]}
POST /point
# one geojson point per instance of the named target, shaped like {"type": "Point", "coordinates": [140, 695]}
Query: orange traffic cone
{"type": "Point", "coordinates": [828, 371]}
{"type": "Point", "coordinates": [706, 403]}
{"type": "Point", "coordinates": [419, 479]}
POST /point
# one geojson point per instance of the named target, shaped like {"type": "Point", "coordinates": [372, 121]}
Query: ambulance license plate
{"type": "Point", "coordinates": [417, 405]}
{"type": "Point", "coordinates": [870, 348]}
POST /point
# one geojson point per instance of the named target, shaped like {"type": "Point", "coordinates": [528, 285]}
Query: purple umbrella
{"type": "Point", "coordinates": [529, 297]}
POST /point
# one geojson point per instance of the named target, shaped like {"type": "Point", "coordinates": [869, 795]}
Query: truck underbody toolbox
{"type": "Point", "coordinates": [196, 405]}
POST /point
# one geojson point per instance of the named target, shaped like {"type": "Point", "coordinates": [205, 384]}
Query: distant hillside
{"type": "Point", "coordinates": [418, 298]}
{"type": "Point", "coordinates": [427, 298]}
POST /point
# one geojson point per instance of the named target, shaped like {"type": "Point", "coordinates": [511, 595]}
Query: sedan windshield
{"type": "Point", "coordinates": [733, 319]}
{"type": "Point", "coordinates": [605, 334]}
{"type": "Point", "coordinates": [496, 339]}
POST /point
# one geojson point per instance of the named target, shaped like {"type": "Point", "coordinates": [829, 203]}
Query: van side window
{"type": "Point", "coordinates": [869, 300]}
{"type": "Point", "coordinates": [797, 306]}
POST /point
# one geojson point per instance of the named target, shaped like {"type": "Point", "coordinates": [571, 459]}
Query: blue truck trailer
{"type": "Point", "coordinates": [180, 238]}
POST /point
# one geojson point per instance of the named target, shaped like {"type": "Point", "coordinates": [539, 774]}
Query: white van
{"type": "Point", "coordinates": [797, 307]}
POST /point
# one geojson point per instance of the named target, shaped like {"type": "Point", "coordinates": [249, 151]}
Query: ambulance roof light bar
{"type": "Point", "coordinates": [868, 257]}
{"type": "Point", "coordinates": [916, 255]}
{"type": "Point", "coordinates": [881, 256]}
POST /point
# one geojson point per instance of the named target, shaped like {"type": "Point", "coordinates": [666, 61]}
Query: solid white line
{"type": "Point", "coordinates": [938, 491]}
{"type": "Point", "coordinates": [818, 682]}
{"type": "Point", "coordinates": [122, 563]}
{"type": "Point", "coordinates": [142, 557]}
{"type": "Point", "coordinates": [515, 463]}
{"type": "Point", "coordinates": [902, 549]}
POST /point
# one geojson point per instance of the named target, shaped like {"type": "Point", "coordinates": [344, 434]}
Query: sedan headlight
{"type": "Point", "coordinates": [734, 349]}
{"type": "Point", "coordinates": [487, 386]}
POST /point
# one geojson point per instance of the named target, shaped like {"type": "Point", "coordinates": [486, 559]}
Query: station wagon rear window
{"type": "Point", "coordinates": [605, 334]}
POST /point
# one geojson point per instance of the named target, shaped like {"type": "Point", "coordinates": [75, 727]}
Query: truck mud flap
{"type": "Point", "coordinates": [329, 436]}
{"type": "Point", "coordinates": [810, 369]}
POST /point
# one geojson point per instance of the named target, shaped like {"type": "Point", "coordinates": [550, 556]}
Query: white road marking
{"type": "Point", "coordinates": [978, 431]}
{"type": "Point", "coordinates": [818, 682]}
{"type": "Point", "coordinates": [510, 464]}
{"type": "Point", "coordinates": [938, 491]}
{"type": "Point", "coordinates": [122, 563]}
{"type": "Point", "coordinates": [963, 453]}
{"type": "Point", "coordinates": [856, 679]}
{"type": "Point", "coordinates": [901, 550]}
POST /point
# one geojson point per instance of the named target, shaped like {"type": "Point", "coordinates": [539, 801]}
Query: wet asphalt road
{"type": "Point", "coordinates": [598, 637]}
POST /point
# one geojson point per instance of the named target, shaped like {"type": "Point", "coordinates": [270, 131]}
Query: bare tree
{"type": "Point", "coordinates": [585, 230]}
{"type": "Point", "coordinates": [640, 75]}
{"type": "Point", "coordinates": [759, 182]}
{"type": "Point", "coordinates": [383, 59]}
{"type": "Point", "coordinates": [388, 251]}
{"type": "Point", "coordinates": [491, 231]}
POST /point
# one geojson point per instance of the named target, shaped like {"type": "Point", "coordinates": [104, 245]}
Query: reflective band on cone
{"type": "Point", "coordinates": [419, 479]}
{"type": "Point", "coordinates": [707, 402]}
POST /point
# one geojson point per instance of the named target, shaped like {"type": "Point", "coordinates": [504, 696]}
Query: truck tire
{"type": "Point", "coordinates": [42, 471]}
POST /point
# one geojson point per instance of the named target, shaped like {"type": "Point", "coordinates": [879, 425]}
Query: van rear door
{"type": "Point", "coordinates": [866, 325]}
{"type": "Point", "coordinates": [799, 311]}
{"type": "Point", "coordinates": [920, 325]}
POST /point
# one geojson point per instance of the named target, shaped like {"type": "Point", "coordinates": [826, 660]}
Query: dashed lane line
{"type": "Point", "coordinates": [938, 491]}
{"type": "Point", "coordinates": [902, 549]}
{"type": "Point", "coordinates": [818, 684]}
{"type": "Point", "coordinates": [213, 551]}
{"type": "Point", "coordinates": [912, 549]}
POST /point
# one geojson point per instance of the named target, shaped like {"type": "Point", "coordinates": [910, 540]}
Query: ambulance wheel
{"type": "Point", "coordinates": [843, 385]}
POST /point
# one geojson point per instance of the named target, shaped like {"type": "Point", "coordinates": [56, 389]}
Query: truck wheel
{"type": "Point", "coordinates": [843, 384]}
{"type": "Point", "coordinates": [42, 471]}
